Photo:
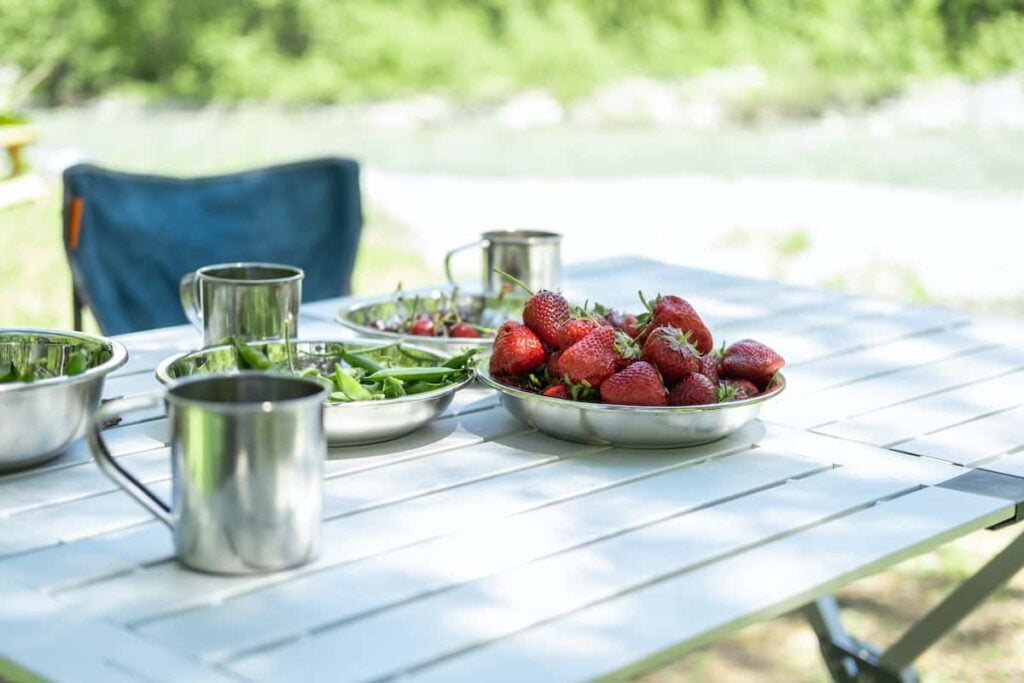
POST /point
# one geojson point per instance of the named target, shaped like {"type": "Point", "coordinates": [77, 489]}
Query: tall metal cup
{"type": "Point", "coordinates": [247, 453]}
{"type": "Point", "coordinates": [532, 256]}
{"type": "Point", "coordinates": [253, 301]}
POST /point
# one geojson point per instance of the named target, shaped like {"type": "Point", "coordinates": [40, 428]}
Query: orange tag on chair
{"type": "Point", "coordinates": [75, 208]}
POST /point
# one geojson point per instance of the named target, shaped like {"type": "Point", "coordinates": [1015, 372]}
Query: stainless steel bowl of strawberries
{"type": "Point", "coordinates": [653, 380]}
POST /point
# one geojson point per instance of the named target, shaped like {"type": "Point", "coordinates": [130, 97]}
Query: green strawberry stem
{"type": "Point", "coordinates": [644, 301]}
{"type": "Point", "coordinates": [513, 280]}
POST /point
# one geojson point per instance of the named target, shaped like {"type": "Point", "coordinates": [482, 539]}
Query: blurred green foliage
{"type": "Point", "coordinates": [351, 50]}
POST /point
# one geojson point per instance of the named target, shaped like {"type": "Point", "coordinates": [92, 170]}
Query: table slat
{"type": "Point", "coordinates": [658, 623]}
{"type": "Point", "coordinates": [513, 600]}
{"type": "Point", "coordinates": [288, 610]}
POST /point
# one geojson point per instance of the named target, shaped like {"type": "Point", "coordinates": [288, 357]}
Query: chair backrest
{"type": "Point", "coordinates": [130, 238]}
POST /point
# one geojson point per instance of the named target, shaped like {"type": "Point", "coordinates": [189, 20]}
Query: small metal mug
{"type": "Point", "coordinates": [532, 256]}
{"type": "Point", "coordinates": [253, 301]}
{"type": "Point", "coordinates": [247, 454]}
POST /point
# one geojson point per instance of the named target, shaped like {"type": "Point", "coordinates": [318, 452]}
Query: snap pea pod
{"type": "Point", "coordinates": [460, 361]}
{"type": "Point", "coordinates": [77, 363]}
{"type": "Point", "coordinates": [429, 374]}
{"type": "Point", "coordinates": [251, 358]}
{"type": "Point", "coordinates": [412, 388]}
{"type": "Point", "coordinates": [357, 361]}
{"type": "Point", "coordinates": [8, 373]}
{"type": "Point", "coordinates": [314, 374]}
{"type": "Point", "coordinates": [350, 386]}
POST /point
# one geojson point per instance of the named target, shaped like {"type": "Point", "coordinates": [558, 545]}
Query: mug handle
{"type": "Point", "coordinates": [109, 464]}
{"type": "Point", "coordinates": [189, 289]}
{"type": "Point", "coordinates": [453, 252]}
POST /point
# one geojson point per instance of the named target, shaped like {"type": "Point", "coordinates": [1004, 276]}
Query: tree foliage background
{"type": "Point", "coordinates": [354, 50]}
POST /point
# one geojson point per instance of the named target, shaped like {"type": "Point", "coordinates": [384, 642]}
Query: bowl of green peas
{"type": "Point", "coordinates": [50, 385]}
{"type": "Point", "coordinates": [377, 390]}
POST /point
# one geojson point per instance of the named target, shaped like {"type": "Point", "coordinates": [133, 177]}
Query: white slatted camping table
{"type": "Point", "coordinates": [478, 549]}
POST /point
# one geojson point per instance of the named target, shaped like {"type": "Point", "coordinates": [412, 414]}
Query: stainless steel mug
{"type": "Point", "coordinates": [254, 301]}
{"type": "Point", "coordinates": [247, 454]}
{"type": "Point", "coordinates": [532, 256]}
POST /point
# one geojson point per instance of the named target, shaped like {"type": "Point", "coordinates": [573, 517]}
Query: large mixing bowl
{"type": "Point", "coordinates": [478, 309]}
{"type": "Point", "coordinates": [39, 419]}
{"type": "Point", "coordinates": [627, 426]}
{"type": "Point", "coordinates": [346, 424]}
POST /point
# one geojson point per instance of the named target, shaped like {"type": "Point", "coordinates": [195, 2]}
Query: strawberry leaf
{"type": "Point", "coordinates": [724, 392]}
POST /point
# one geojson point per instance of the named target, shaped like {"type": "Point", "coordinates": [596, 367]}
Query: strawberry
{"type": "Point", "coordinates": [554, 371]}
{"type": "Point", "coordinates": [544, 313]}
{"type": "Point", "coordinates": [709, 368]}
{"type": "Point", "coordinates": [516, 350]}
{"type": "Point", "coordinates": [662, 303]}
{"type": "Point", "coordinates": [626, 322]}
{"type": "Point", "coordinates": [464, 330]}
{"type": "Point", "coordinates": [556, 391]}
{"type": "Point", "coordinates": [750, 360]}
{"type": "Point", "coordinates": [671, 350]}
{"type": "Point", "coordinates": [422, 326]}
{"type": "Point", "coordinates": [673, 311]}
{"type": "Point", "coordinates": [638, 385]}
{"type": "Point", "coordinates": [575, 329]}
{"type": "Point", "coordinates": [591, 360]}
{"type": "Point", "coordinates": [693, 390]}
{"type": "Point", "coordinates": [736, 390]}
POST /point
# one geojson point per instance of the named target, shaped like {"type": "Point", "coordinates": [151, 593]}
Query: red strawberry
{"type": "Point", "coordinates": [422, 326]}
{"type": "Point", "coordinates": [669, 301]}
{"type": "Point", "coordinates": [671, 350]}
{"type": "Point", "coordinates": [673, 311]}
{"type": "Point", "coordinates": [544, 313]}
{"type": "Point", "coordinates": [554, 372]}
{"type": "Point", "coordinates": [638, 385]}
{"type": "Point", "coordinates": [750, 360]}
{"type": "Point", "coordinates": [464, 330]}
{"type": "Point", "coordinates": [516, 350]}
{"type": "Point", "coordinates": [556, 391]}
{"type": "Point", "coordinates": [693, 390]}
{"type": "Point", "coordinates": [591, 359]}
{"type": "Point", "coordinates": [736, 390]}
{"type": "Point", "coordinates": [625, 322]}
{"type": "Point", "coordinates": [709, 368]}
{"type": "Point", "coordinates": [575, 329]}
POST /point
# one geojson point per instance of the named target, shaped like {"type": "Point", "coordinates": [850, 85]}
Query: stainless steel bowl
{"type": "Point", "coordinates": [487, 311]}
{"type": "Point", "coordinates": [346, 424]}
{"type": "Point", "coordinates": [627, 426]}
{"type": "Point", "coordinates": [38, 420]}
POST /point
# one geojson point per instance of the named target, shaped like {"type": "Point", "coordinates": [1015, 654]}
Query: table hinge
{"type": "Point", "coordinates": [857, 662]}
{"type": "Point", "coordinates": [995, 485]}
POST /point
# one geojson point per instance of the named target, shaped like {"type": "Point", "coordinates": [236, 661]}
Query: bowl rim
{"type": "Point", "coordinates": [357, 304]}
{"type": "Point", "coordinates": [484, 375]}
{"type": "Point", "coordinates": [118, 357]}
{"type": "Point", "coordinates": [163, 374]}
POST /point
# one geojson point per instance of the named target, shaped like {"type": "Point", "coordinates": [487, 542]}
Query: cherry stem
{"type": "Point", "coordinates": [514, 280]}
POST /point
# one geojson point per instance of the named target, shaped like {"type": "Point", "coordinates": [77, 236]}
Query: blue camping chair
{"type": "Point", "coordinates": [129, 238]}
